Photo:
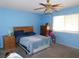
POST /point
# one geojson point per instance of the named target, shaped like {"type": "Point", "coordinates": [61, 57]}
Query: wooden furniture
{"type": "Point", "coordinates": [43, 30]}
{"type": "Point", "coordinates": [9, 42]}
{"type": "Point", "coordinates": [26, 28]}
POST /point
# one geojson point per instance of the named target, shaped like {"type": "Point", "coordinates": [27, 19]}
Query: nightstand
{"type": "Point", "coordinates": [9, 42]}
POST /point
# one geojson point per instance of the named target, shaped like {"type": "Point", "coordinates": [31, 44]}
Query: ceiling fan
{"type": "Point", "coordinates": [49, 7]}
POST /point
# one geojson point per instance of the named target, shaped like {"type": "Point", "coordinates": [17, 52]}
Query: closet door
{"type": "Point", "coordinates": [71, 22]}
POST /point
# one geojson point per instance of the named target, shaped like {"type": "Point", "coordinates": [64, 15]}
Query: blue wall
{"type": "Point", "coordinates": [10, 18]}
{"type": "Point", "coordinates": [69, 39]}
{"type": "Point", "coordinates": [46, 18]}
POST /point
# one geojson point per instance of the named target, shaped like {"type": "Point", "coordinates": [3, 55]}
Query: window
{"type": "Point", "coordinates": [66, 23]}
{"type": "Point", "coordinates": [58, 23]}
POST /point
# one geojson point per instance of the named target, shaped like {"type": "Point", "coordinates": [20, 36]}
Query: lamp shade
{"type": "Point", "coordinates": [48, 28]}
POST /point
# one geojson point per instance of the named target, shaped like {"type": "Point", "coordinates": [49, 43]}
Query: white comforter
{"type": "Point", "coordinates": [30, 40]}
{"type": "Point", "coordinates": [33, 38]}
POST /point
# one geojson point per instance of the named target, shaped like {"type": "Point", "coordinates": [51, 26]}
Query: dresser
{"type": "Point", "coordinates": [9, 42]}
{"type": "Point", "coordinates": [43, 30]}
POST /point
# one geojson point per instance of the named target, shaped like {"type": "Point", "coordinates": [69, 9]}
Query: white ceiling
{"type": "Point", "coordinates": [29, 5]}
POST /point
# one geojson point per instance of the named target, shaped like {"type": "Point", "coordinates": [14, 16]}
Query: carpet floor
{"type": "Point", "coordinates": [57, 51]}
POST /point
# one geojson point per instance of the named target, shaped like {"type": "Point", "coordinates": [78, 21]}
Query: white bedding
{"type": "Point", "coordinates": [14, 55]}
{"type": "Point", "coordinates": [34, 42]}
{"type": "Point", "coordinates": [33, 38]}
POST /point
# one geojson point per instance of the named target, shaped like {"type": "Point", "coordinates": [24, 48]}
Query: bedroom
{"type": "Point", "coordinates": [14, 14]}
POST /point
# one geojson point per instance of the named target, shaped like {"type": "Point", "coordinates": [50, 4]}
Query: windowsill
{"type": "Point", "coordinates": [74, 32]}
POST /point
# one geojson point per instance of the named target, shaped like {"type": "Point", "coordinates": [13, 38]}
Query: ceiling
{"type": "Point", "coordinates": [29, 5]}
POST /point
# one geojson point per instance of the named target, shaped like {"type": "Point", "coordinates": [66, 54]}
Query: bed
{"type": "Point", "coordinates": [32, 42]}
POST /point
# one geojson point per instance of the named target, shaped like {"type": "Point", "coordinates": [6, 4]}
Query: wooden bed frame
{"type": "Point", "coordinates": [24, 28]}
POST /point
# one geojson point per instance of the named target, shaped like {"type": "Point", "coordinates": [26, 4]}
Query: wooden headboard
{"type": "Point", "coordinates": [24, 28]}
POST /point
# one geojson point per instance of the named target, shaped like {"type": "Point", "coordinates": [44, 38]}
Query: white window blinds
{"type": "Point", "coordinates": [66, 23]}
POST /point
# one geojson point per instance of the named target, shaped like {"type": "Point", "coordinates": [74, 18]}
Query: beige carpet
{"type": "Point", "coordinates": [1, 53]}
{"type": "Point", "coordinates": [59, 51]}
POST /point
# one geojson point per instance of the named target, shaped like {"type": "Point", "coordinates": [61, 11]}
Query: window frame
{"type": "Point", "coordinates": [65, 24]}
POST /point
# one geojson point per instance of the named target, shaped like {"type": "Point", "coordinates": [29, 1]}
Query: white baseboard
{"type": "Point", "coordinates": [68, 45]}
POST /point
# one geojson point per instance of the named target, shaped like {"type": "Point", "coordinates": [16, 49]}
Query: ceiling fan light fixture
{"type": "Point", "coordinates": [49, 7]}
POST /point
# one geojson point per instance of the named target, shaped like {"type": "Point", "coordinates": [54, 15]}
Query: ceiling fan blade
{"type": "Point", "coordinates": [42, 4]}
{"type": "Point", "coordinates": [48, 1]}
{"type": "Point", "coordinates": [56, 5]}
{"type": "Point", "coordinates": [45, 10]}
{"type": "Point", "coordinates": [54, 9]}
{"type": "Point", "coordinates": [39, 8]}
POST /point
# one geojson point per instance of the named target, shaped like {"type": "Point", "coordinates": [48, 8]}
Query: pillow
{"type": "Point", "coordinates": [18, 38]}
{"type": "Point", "coordinates": [17, 33]}
{"type": "Point", "coordinates": [29, 33]}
